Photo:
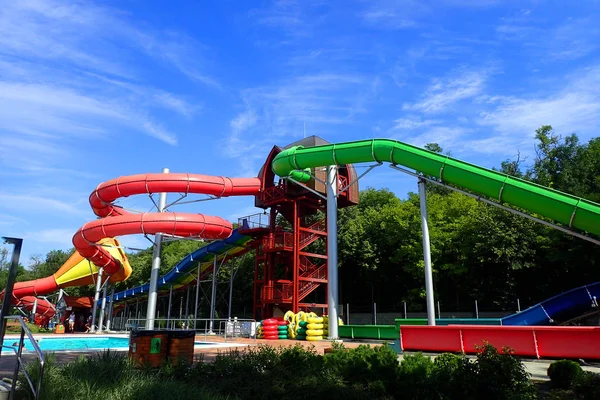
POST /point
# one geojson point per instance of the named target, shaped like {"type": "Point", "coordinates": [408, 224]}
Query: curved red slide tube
{"type": "Point", "coordinates": [116, 221]}
{"type": "Point", "coordinates": [36, 287]}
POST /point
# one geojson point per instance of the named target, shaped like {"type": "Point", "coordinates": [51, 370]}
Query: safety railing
{"type": "Point", "coordinates": [227, 328]}
{"type": "Point", "coordinates": [277, 292]}
{"type": "Point", "coordinates": [255, 221]}
{"type": "Point", "coordinates": [19, 365]}
{"type": "Point", "coordinates": [278, 241]}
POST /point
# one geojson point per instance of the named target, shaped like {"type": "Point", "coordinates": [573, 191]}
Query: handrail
{"type": "Point", "coordinates": [19, 364]}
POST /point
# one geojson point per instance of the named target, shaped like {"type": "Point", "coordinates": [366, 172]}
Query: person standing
{"type": "Point", "coordinates": [72, 322]}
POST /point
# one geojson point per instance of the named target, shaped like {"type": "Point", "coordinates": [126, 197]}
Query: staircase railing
{"type": "Point", "coordinates": [19, 365]}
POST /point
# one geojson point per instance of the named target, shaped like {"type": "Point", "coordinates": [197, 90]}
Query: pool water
{"type": "Point", "coordinates": [77, 343]}
{"type": "Point", "coordinates": [80, 343]}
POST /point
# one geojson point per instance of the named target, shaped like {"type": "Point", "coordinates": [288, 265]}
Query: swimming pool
{"type": "Point", "coordinates": [83, 343]}
{"type": "Point", "coordinates": [76, 343]}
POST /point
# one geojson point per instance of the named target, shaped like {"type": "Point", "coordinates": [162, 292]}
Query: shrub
{"type": "Point", "coordinates": [452, 376]}
{"type": "Point", "coordinates": [501, 376]}
{"type": "Point", "coordinates": [563, 373]}
{"type": "Point", "coordinates": [587, 385]}
{"type": "Point", "coordinates": [364, 365]}
{"type": "Point", "coordinates": [414, 377]}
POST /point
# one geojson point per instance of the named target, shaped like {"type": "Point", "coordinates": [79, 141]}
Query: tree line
{"type": "Point", "coordinates": [479, 252]}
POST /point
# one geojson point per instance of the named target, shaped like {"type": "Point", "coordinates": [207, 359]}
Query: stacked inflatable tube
{"type": "Point", "coordinates": [314, 329]}
{"type": "Point", "coordinates": [282, 329]}
{"type": "Point", "coordinates": [268, 329]}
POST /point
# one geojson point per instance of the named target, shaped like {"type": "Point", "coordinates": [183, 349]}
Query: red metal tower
{"type": "Point", "coordinates": [290, 271]}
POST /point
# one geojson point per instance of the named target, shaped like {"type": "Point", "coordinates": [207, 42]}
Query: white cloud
{"type": "Point", "coordinates": [160, 133]}
{"type": "Point", "coordinates": [277, 113]}
{"type": "Point", "coordinates": [243, 121]}
{"type": "Point", "coordinates": [292, 16]}
{"type": "Point", "coordinates": [9, 220]}
{"type": "Point", "coordinates": [38, 204]}
{"type": "Point", "coordinates": [447, 137]}
{"type": "Point", "coordinates": [412, 122]}
{"type": "Point", "coordinates": [59, 237]}
{"type": "Point", "coordinates": [385, 14]}
{"type": "Point", "coordinates": [70, 75]}
{"type": "Point", "coordinates": [575, 107]}
{"type": "Point", "coordinates": [444, 93]}
{"type": "Point", "coordinates": [396, 15]}
{"type": "Point", "coordinates": [571, 39]}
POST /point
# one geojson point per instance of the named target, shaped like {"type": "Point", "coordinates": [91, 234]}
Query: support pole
{"type": "Point", "coordinates": [332, 254]}
{"type": "Point", "coordinates": [103, 306]}
{"type": "Point", "coordinates": [153, 292]}
{"type": "Point", "coordinates": [12, 276]}
{"type": "Point", "coordinates": [169, 309]}
{"type": "Point", "coordinates": [427, 254]}
{"type": "Point", "coordinates": [231, 290]}
{"type": "Point", "coordinates": [197, 297]}
{"type": "Point", "coordinates": [374, 313]}
{"type": "Point", "coordinates": [110, 309]}
{"type": "Point", "coordinates": [34, 309]}
{"type": "Point", "coordinates": [347, 313]}
{"type": "Point", "coordinates": [213, 297]}
{"type": "Point", "coordinates": [96, 298]}
{"type": "Point", "coordinates": [181, 307]}
{"type": "Point", "coordinates": [187, 303]}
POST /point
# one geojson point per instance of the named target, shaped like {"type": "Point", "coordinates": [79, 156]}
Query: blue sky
{"type": "Point", "coordinates": [90, 91]}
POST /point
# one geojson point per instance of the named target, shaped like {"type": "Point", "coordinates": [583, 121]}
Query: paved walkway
{"type": "Point", "coordinates": [537, 368]}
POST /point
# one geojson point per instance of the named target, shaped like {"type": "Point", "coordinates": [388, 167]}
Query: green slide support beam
{"type": "Point", "coordinates": [566, 209]}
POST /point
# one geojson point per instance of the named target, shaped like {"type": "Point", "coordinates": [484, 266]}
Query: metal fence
{"type": "Point", "coordinates": [19, 365]}
{"type": "Point", "coordinates": [229, 329]}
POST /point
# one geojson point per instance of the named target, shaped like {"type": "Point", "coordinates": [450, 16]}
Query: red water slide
{"type": "Point", "coordinates": [116, 221]}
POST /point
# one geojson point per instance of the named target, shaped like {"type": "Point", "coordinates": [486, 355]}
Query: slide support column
{"type": "Point", "coordinates": [34, 310]}
{"type": "Point", "coordinates": [213, 297]}
{"type": "Point", "coordinates": [103, 306]}
{"type": "Point", "coordinates": [152, 293]}
{"type": "Point", "coordinates": [233, 271]}
{"type": "Point", "coordinates": [169, 309]}
{"type": "Point", "coordinates": [427, 254]}
{"type": "Point", "coordinates": [96, 298]}
{"type": "Point", "coordinates": [332, 251]}
{"type": "Point", "coordinates": [110, 309]}
{"type": "Point", "coordinates": [197, 297]}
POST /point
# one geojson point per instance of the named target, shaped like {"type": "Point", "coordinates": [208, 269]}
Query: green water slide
{"type": "Point", "coordinates": [566, 209]}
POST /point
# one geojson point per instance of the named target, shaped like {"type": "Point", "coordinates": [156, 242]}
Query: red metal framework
{"type": "Point", "coordinates": [290, 270]}
{"type": "Point", "coordinates": [291, 264]}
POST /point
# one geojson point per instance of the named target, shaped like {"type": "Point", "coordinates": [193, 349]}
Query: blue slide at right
{"type": "Point", "coordinates": [562, 307]}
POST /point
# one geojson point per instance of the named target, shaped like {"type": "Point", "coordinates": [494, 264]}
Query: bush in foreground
{"type": "Point", "coordinates": [563, 373]}
{"type": "Point", "coordinates": [265, 372]}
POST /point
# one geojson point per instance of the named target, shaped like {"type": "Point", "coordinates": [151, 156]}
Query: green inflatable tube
{"type": "Point", "coordinates": [282, 336]}
{"type": "Point", "coordinates": [572, 211]}
{"type": "Point", "coordinates": [300, 337]}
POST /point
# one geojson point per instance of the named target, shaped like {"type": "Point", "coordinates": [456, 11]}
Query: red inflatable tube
{"type": "Point", "coordinates": [270, 321]}
{"type": "Point", "coordinates": [282, 323]}
{"type": "Point", "coordinates": [271, 337]}
{"type": "Point", "coordinates": [270, 328]}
